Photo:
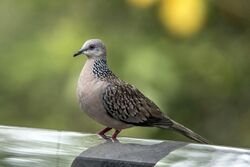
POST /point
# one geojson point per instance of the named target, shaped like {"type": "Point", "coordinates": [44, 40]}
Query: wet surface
{"type": "Point", "coordinates": [36, 147]}
{"type": "Point", "coordinates": [193, 155]}
{"type": "Point", "coordinates": [21, 147]}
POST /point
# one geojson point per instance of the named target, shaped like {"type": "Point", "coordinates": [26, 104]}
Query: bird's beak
{"type": "Point", "coordinates": [81, 51]}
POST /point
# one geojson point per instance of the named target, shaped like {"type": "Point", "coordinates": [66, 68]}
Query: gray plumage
{"type": "Point", "coordinates": [115, 103]}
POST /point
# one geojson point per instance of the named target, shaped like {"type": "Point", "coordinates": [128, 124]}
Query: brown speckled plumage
{"type": "Point", "coordinates": [124, 102]}
{"type": "Point", "coordinates": [115, 103]}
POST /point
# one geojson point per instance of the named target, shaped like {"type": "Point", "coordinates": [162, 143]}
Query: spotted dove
{"type": "Point", "coordinates": [115, 103]}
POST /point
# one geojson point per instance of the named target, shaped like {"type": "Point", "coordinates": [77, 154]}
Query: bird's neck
{"type": "Point", "coordinates": [100, 69]}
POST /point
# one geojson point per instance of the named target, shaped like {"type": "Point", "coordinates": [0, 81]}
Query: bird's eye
{"type": "Point", "coordinates": [91, 47]}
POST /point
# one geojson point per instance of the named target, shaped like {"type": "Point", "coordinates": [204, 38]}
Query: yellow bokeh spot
{"type": "Point", "coordinates": [183, 18]}
{"type": "Point", "coordinates": [141, 3]}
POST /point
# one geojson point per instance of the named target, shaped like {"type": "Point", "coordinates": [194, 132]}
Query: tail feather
{"type": "Point", "coordinates": [185, 131]}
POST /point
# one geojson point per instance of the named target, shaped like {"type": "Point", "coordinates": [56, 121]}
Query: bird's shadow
{"type": "Point", "coordinates": [127, 154]}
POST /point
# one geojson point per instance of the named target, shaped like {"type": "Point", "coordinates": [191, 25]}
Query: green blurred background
{"type": "Point", "coordinates": [191, 57]}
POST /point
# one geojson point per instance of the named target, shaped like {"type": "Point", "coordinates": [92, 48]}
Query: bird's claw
{"type": "Point", "coordinates": [108, 138]}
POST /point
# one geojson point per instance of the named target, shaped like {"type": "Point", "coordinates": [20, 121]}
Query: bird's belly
{"type": "Point", "coordinates": [89, 96]}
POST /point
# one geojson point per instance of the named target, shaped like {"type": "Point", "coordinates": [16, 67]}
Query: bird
{"type": "Point", "coordinates": [115, 103]}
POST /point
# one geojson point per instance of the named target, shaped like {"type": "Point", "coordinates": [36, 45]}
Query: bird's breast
{"type": "Point", "coordinates": [89, 92]}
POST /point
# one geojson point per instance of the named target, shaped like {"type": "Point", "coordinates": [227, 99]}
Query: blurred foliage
{"type": "Point", "coordinates": [142, 3]}
{"type": "Point", "coordinates": [194, 65]}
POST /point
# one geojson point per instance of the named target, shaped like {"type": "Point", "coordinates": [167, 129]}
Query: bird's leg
{"type": "Point", "coordinates": [102, 132]}
{"type": "Point", "coordinates": [115, 134]}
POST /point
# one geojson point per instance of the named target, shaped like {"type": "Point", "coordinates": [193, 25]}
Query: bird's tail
{"type": "Point", "coordinates": [185, 131]}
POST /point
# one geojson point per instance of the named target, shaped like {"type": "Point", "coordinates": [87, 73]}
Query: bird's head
{"type": "Point", "coordinates": [93, 48]}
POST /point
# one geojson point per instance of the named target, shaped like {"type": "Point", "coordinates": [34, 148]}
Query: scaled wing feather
{"type": "Point", "coordinates": [124, 102]}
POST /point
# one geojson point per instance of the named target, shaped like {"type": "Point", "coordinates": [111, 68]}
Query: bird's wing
{"type": "Point", "coordinates": [126, 103]}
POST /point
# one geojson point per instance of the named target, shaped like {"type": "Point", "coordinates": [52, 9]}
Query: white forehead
{"type": "Point", "coordinates": [93, 42]}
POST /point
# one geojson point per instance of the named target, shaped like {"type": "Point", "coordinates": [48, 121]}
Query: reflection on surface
{"type": "Point", "coordinates": [24, 147]}
{"type": "Point", "coordinates": [36, 147]}
{"type": "Point", "coordinates": [207, 155]}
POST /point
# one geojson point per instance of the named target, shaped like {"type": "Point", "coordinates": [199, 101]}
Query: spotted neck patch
{"type": "Point", "coordinates": [101, 70]}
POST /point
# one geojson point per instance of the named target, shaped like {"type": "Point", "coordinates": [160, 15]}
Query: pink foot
{"type": "Point", "coordinates": [102, 133]}
{"type": "Point", "coordinates": [115, 135]}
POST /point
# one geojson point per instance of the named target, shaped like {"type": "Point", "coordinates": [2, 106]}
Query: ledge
{"type": "Point", "coordinates": [22, 147]}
